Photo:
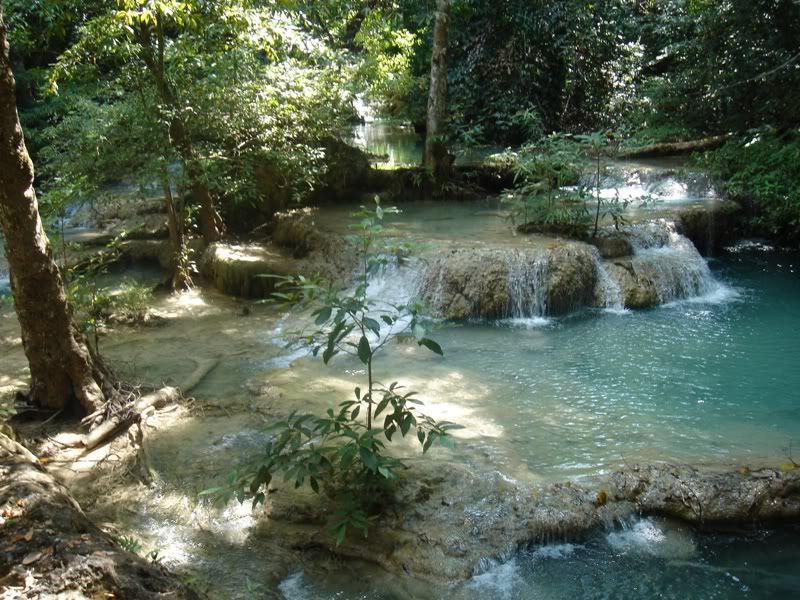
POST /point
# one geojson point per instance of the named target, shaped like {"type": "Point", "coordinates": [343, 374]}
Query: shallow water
{"type": "Point", "coordinates": [709, 380]}
{"type": "Point", "coordinates": [394, 144]}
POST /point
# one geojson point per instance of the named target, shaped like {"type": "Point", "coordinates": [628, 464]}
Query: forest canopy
{"type": "Point", "coordinates": [261, 89]}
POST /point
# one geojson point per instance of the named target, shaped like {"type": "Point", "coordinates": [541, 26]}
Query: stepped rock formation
{"type": "Point", "coordinates": [565, 276]}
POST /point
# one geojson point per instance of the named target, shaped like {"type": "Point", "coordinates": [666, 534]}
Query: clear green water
{"type": "Point", "coordinates": [394, 144]}
{"type": "Point", "coordinates": [711, 380]}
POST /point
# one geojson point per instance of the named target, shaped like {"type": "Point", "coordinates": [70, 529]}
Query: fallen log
{"type": "Point", "coordinates": [204, 367]}
{"type": "Point", "coordinates": [49, 548]}
{"type": "Point", "coordinates": [674, 148]}
{"type": "Point", "coordinates": [158, 399]}
{"type": "Point", "coordinates": [114, 424]}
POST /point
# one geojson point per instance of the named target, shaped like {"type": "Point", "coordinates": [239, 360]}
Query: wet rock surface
{"type": "Point", "coordinates": [448, 523]}
{"type": "Point", "coordinates": [296, 247]}
{"type": "Point", "coordinates": [612, 245]}
{"type": "Point", "coordinates": [637, 291]}
{"type": "Point", "coordinates": [492, 283]}
{"type": "Point", "coordinates": [712, 227]}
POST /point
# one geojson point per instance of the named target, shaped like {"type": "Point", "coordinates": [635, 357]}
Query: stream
{"type": "Point", "coordinates": [708, 379]}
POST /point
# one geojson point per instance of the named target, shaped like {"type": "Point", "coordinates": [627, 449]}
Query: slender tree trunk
{"type": "Point", "coordinates": [64, 373]}
{"type": "Point", "coordinates": [437, 159]}
{"type": "Point", "coordinates": [181, 280]}
{"type": "Point", "coordinates": [210, 220]}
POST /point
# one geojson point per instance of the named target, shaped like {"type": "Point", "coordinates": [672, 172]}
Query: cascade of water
{"type": "Point", "coordinates": [671, 262]}
{"type": "Point", "coordinates": [637, 182]}
{"type": "Point", "coordinates": [527, 285]}
{"type": "Point", "coordinates": [394, 283]}
{"type": "Point", "coordinates": [608, 294]}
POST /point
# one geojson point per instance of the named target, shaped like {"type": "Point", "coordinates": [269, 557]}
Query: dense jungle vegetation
{"type": "Point", "coordinates": [261, 89]}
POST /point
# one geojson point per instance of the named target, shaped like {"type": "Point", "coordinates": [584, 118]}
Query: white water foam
{"type": "Point", "coordinates": [526, 322]}
{"type": "Point", "coordinates": [650, 537]}
{"type": "Point", "coordinates": [499, 581]}
{"type": "Point", "coordinates": [554, 551]}
{"type": "Point", "coordinates": [295, 587]}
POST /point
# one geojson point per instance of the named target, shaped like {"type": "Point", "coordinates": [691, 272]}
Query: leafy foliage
{"type": "Point", "coordinates": [539, 201]}
{"type": "Point", "coordinates": [763, 171]}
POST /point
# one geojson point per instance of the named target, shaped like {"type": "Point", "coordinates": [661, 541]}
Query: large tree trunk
{"type": "Point", "coordinates": [437, 159]}
{"type": "Point", "coordinates": [63, 372]}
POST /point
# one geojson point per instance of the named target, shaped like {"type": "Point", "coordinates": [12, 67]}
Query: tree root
{"type": "Point", "coordinates": [110, 427]}
{"type": "Point", "coordinates": [48, 548]}
{"type": "Point", "coordinates": [131, 412]}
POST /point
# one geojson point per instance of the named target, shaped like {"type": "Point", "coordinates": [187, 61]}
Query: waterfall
{"type": "Point", "coordinates": [527, 285]}
{"type": "Point", "coordinates": [608, 294]}
{"type": "Point", "coordinates": [633, 183]}
{"type": "Point", "coordinates": [670, 262]}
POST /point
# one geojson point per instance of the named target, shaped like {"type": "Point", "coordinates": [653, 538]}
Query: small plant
{"type": "Point", "coordinates": [128, 543]}
{"type": "Point", "coordinates": [541, 201]}
{"type": "Point", "coordinates": [133, 298]}
{"type": "Point", "coordinates": [344, 451]}
{"type": "Point", "coordinates": [91, 304]}
{"type": "Point", "coordinates": [599, 145]}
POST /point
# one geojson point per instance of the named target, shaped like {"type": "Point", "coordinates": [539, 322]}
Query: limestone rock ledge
{"type": "Point", "coordinates": [447, 521]}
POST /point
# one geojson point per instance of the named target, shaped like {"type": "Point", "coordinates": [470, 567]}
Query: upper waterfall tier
{"type": "Point", "coordinates": [462, 281]}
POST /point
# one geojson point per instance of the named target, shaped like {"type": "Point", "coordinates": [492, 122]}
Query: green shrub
{"type": "Point", "coordinates": [763, 172]}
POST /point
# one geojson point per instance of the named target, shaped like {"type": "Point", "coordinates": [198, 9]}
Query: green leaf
{"type": "Point", "coordinates": [323, 315]}
{"type": "Point", "coordinates": [341, 530]}
{"type": "Point", "coordinates": [405, 425]}
{"type": "Point", "coordinates": [314, 485]}
{"type": "Point", "coordinates": [348, 453]}
{"type": "Point", "coordinates": [387, 319]}
{"type": "Point", "coordinates": [364, 351]}
{"type": "Point", "coordinates": [431, 345]}
{"type": "Point", "coordinates": [382, 405]}
{"type": "Point", "coordinates": [372, 325]}
{"type": "Point", "coordinates": [368, 458]}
